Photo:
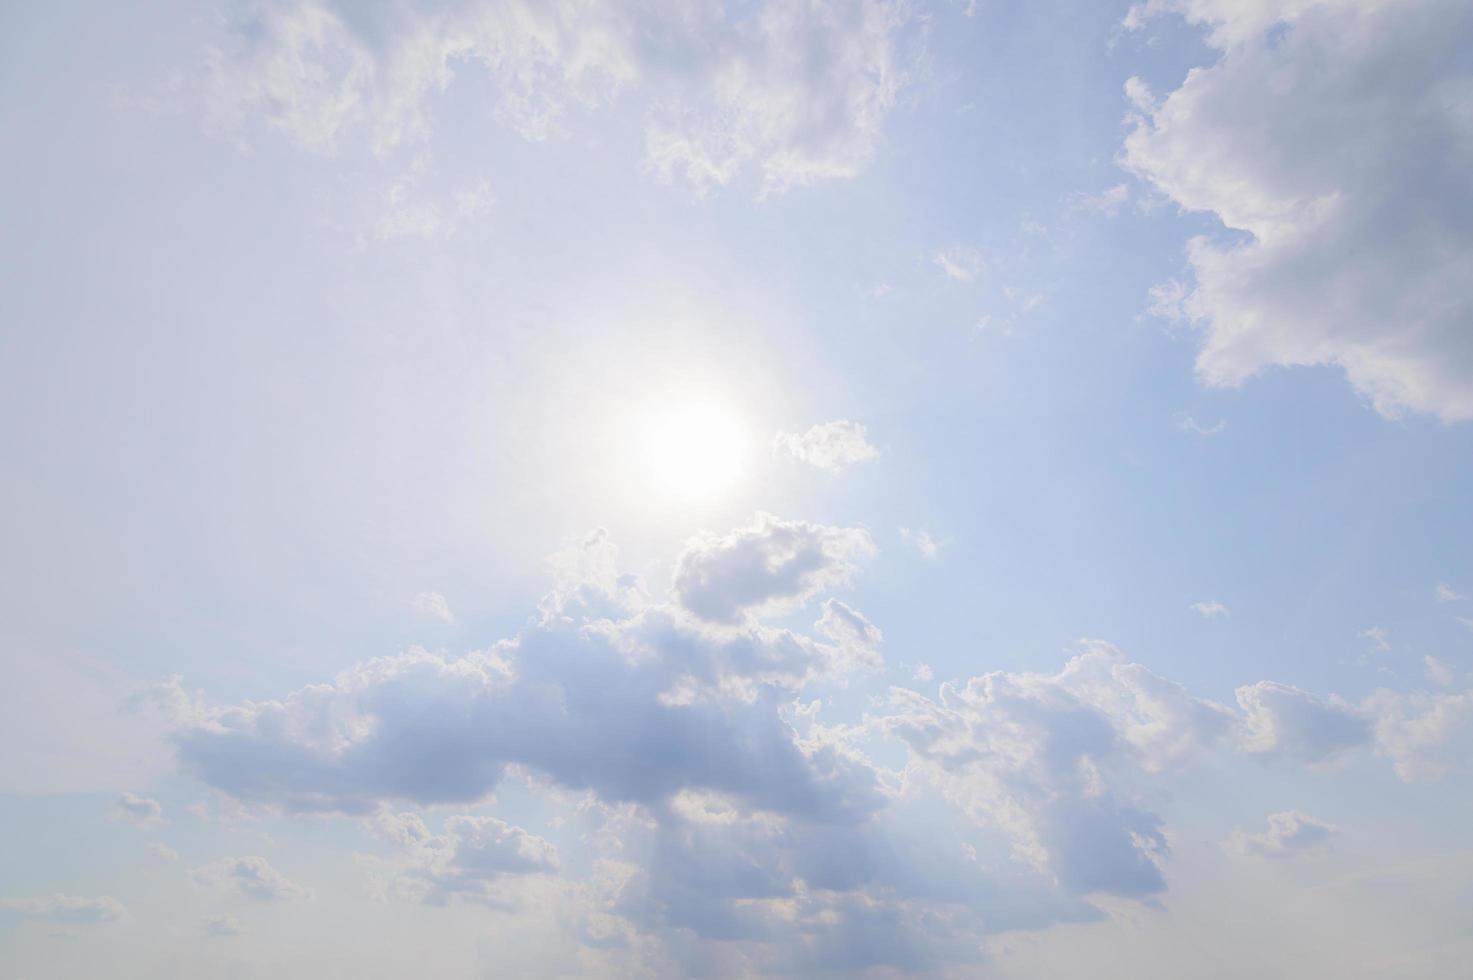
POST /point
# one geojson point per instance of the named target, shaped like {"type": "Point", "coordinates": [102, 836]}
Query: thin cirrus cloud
{"type": "Point", "coordinates": [1347, 262]}
{"type": "Point", "coordinates": [724, 805]}
{"type": "Point", "coordinates": [792, 94]}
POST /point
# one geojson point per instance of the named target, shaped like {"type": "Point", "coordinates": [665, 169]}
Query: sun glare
{"type": "Point", "coordinates": [695, 450]}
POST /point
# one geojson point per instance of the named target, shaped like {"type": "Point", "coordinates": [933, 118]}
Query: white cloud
{"type": "Point", "coordinates": [67, 909]}
{"type": "Point", "coordinates": [960, 264]}
{"type": "Point", "coordinates": [139, 809]}
{"type": "Point", "coordinates": [768, 567]}
{"type": "Point", "coordinates": [1446, 593]}
{"type": "Point", "coordinates": [434, 604]}
{"type": "Point", "coordinates": [1337, 135]}
{"type": "Point", "coordinates": [1438, 672]}
{"type": "Point", "coordinates": [467, 861]}
{"type": "Point", "coordinates": [1209, 609]}
{"type": "Point", "coordinates": [1422, 733]}
{"type": "Point", "coordinates": [1108, 202]}
{"type": "Point", "coordinates": [1289, 833]}
{"type": "Point", "coordinates": [828, 445]}
{"type": "Point", "coordinates": [223, 925]}
{"type": "Point", "coordinates": [1284, 720]}
{"type": "Point", "coordinates": [1379, 637]}
{"type": "Point", "coordinates": [252, 877]}
{"type": "Point", "coordinates": [163, 852]}
{"type": "Point", "coordinates": [1188, 424]}
{"type": "Point", "coordinates": [795, 92]}
{"type": "Point", "coordinates": [921, 541]}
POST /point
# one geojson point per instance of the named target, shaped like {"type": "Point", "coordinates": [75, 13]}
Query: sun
{"type": "Point", "coordinates": [695, 450]}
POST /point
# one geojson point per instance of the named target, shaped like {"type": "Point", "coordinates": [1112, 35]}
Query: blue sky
{"type": "Point", "coordinates": [781, 488]}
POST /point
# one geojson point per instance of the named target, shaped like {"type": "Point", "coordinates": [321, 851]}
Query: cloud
{"type": "Point", "coordinates": [1188, 424]}
{"type": "Point", "coordinates": [768, 567]}
{"type": "Point", "coordinates": [1379, 637]}
{"type": "Point", "coordinates": [921, 540]}
{"type": "Point", "coordinates": [67, 909]}
{"type": "Point", "coordinates": [223, 925]}
{"type": "Point", "coordinates": [1438, 672]}
{"type": "Point", "coordinates": [828, 445]}
{"type": "Point", "coordinates": [141, 810]}
{"type": "Point", "coordinates": [1420, 731]}
{"type": "Point", "coordinates": [1209, 609]}
{"type": "Point", "coordinates": [467, 861]}
{"type": "Point", "coordinates": [434, 604]}
{"type": "Point", "coordinates": [959, 264]}
{"type": "Point", "coordinates": [1446, 593]}
{"type": "Point", "coordinates": [1289, 834]}
{"type": "Point", "coordinates": [795, 92]}
{"type": "Point", "coordinates": [1037, 754]}
{"type": "Point", "coordinates": [1284, 720]}
{"type": "Point", "coordinates": [1335, 138]}
{"type": "Point", "coordinates": [252, 877]}
{"type": "Point", "coordinates": [163, 852]}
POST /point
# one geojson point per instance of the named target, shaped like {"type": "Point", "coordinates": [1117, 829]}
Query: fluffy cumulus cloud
{"type": "Point", "coordinates": [789, 90]}
{"type": "Point", "coordinates": [1289, 833]}
{"type": "Point", "coordinates": [828, 445]}
{"type": "Point", "coordinates": [726, 823]}
{"type": "Point", "coordinates": [1336, 136]}
{"type": "Point", "coordinates": [768, 567]}
{"type": "Point", "coordinates": [1040, 754]}
{"type": "Point", "coordinates": [252, 877]}
{"type": "Point", "coordinates": [65, 909]}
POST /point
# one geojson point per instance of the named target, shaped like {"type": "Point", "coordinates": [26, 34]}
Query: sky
{"type": "Point", "coordinates": [671, 488]}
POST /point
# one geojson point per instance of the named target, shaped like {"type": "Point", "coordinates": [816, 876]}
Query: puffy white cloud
{"type": "Point", "coordinates": [768, 567]}
{"type": "Point", "coordinates": [1336, 135]}
{"type": "Point", "coordinates": [67, 909]}
{"type": "Point", "coordinates": [794, 90]}
{"type": "Point", "coordinates": [1419, 731]}
{"type": "Point", "coordinates": [1283, 720]}
{"type": "Point", "coordinates": [1446, 593]}
{"type": "Point", "coordinates": [139, 809]}
{"type": "Point", "coordinates": [1289, 833]}
{"type": "Point", "coordinates": [1036, 754]}
{"type": "Point", "coordinates": [253, 877]}
{"type": "Point", "coordinates": [828, 445]}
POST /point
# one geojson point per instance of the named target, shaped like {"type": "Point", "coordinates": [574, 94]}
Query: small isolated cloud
{"type": "Point", "coordinates": [1289, 833]}
{"type": "Point", "coordinates": [922, 673]}
{"type": "Point", "coordinates": [959, 264]}
{"type": "Point", "coordinates": [1379, 638]}
{"type": "Point", "coordinates": [163, 852]}
{"type": "Point", "coordinates": [1438, 672]}
{"type": "Point", "coordinates": [223, 925]}
{"type": "Point", "coordinates": [434, 604]}
{"type": "Point", "coordinates": [770, 566]}
{"type": "Point", "coordinates": [1446, 593]}
{"type": "Point", "coordinates": [921, 541]}
{"type": "Point", "coordinates": [139, 809]}
{"type": "Point", "coordinates": [66, 909]}
{"type": "Point", "coordinates": [1209, 609]}
{"type": "Point", "coordinates": [828, 445]}
{"type": "Point", "coordinates": [1188, 424]}
{"type": "Point", "coordinates": [252, 877]}
{"type": "Point", "coordinates": [1108, 202]}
